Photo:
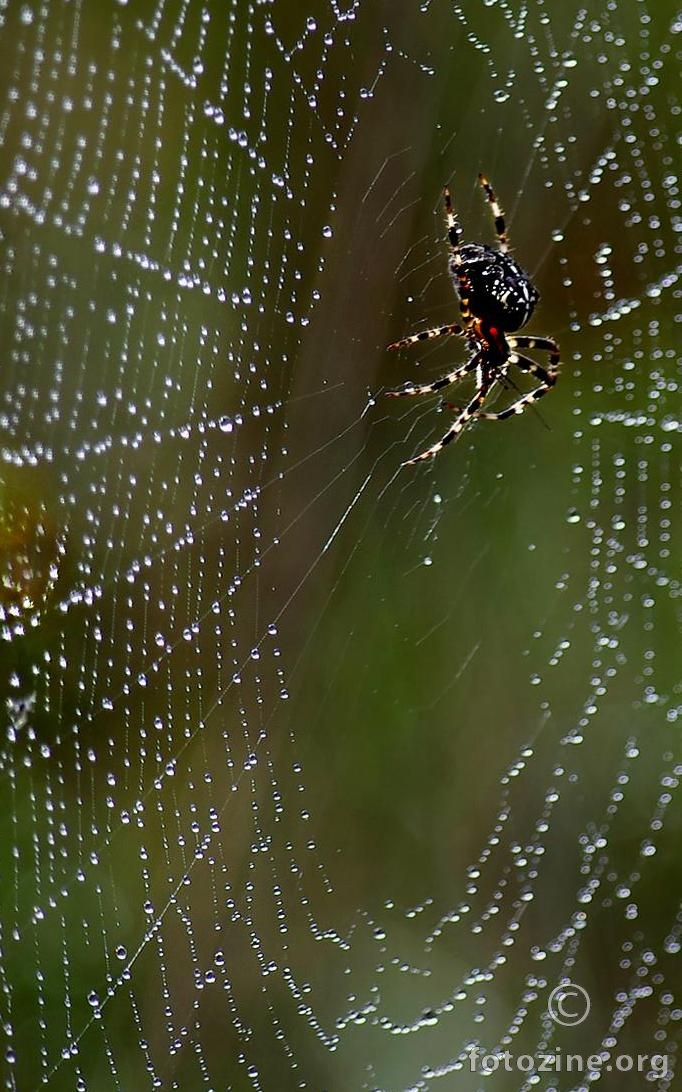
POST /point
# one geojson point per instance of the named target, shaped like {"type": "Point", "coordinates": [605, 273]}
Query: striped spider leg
{"type": "Point", "coordinates": [547, 376]}
{"type": "Point", "coordinates": [498, 215]}
{"type": "Point", "coordinates": [485, 380]}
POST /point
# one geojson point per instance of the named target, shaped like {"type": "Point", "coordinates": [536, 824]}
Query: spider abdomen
{"type": "Point", "coordinates": [494, 286]}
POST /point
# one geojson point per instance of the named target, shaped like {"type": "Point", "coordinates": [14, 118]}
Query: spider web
{"type": "Point", "coordinates": [317, 771]}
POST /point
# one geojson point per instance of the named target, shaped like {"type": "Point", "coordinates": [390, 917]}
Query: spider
{"type": "Point", "coordinates": [496, 297]}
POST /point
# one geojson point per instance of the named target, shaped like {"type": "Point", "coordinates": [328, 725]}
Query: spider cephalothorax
{"type": "Point", "coordinates": [496, 297]}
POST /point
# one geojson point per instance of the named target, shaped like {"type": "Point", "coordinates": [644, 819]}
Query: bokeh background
{"type": "Point", "coordinates": [317, 770]}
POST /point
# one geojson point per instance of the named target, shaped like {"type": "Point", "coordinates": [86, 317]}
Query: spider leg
{"type": "Point", "coordinates": [499, 377]}
{"type": "Point", "coordinates": [547, 381]}
{"type": "Point", "coordinates": [438, 384]}
{"type": "Point", "coordinates": [463, 291]}
{"type": "Point", "coordinates": [452, 223]}
{"type": "Point", "coordinates": [427, 335]}
{"type": "Point", "coordinates": [497, 214]}
{"type": "Point", "coordinates": [485, 382]}
{"type": "Point", "coordinates": [454, 233]}
{"type": "Point", "coordinates": [524, 341]}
